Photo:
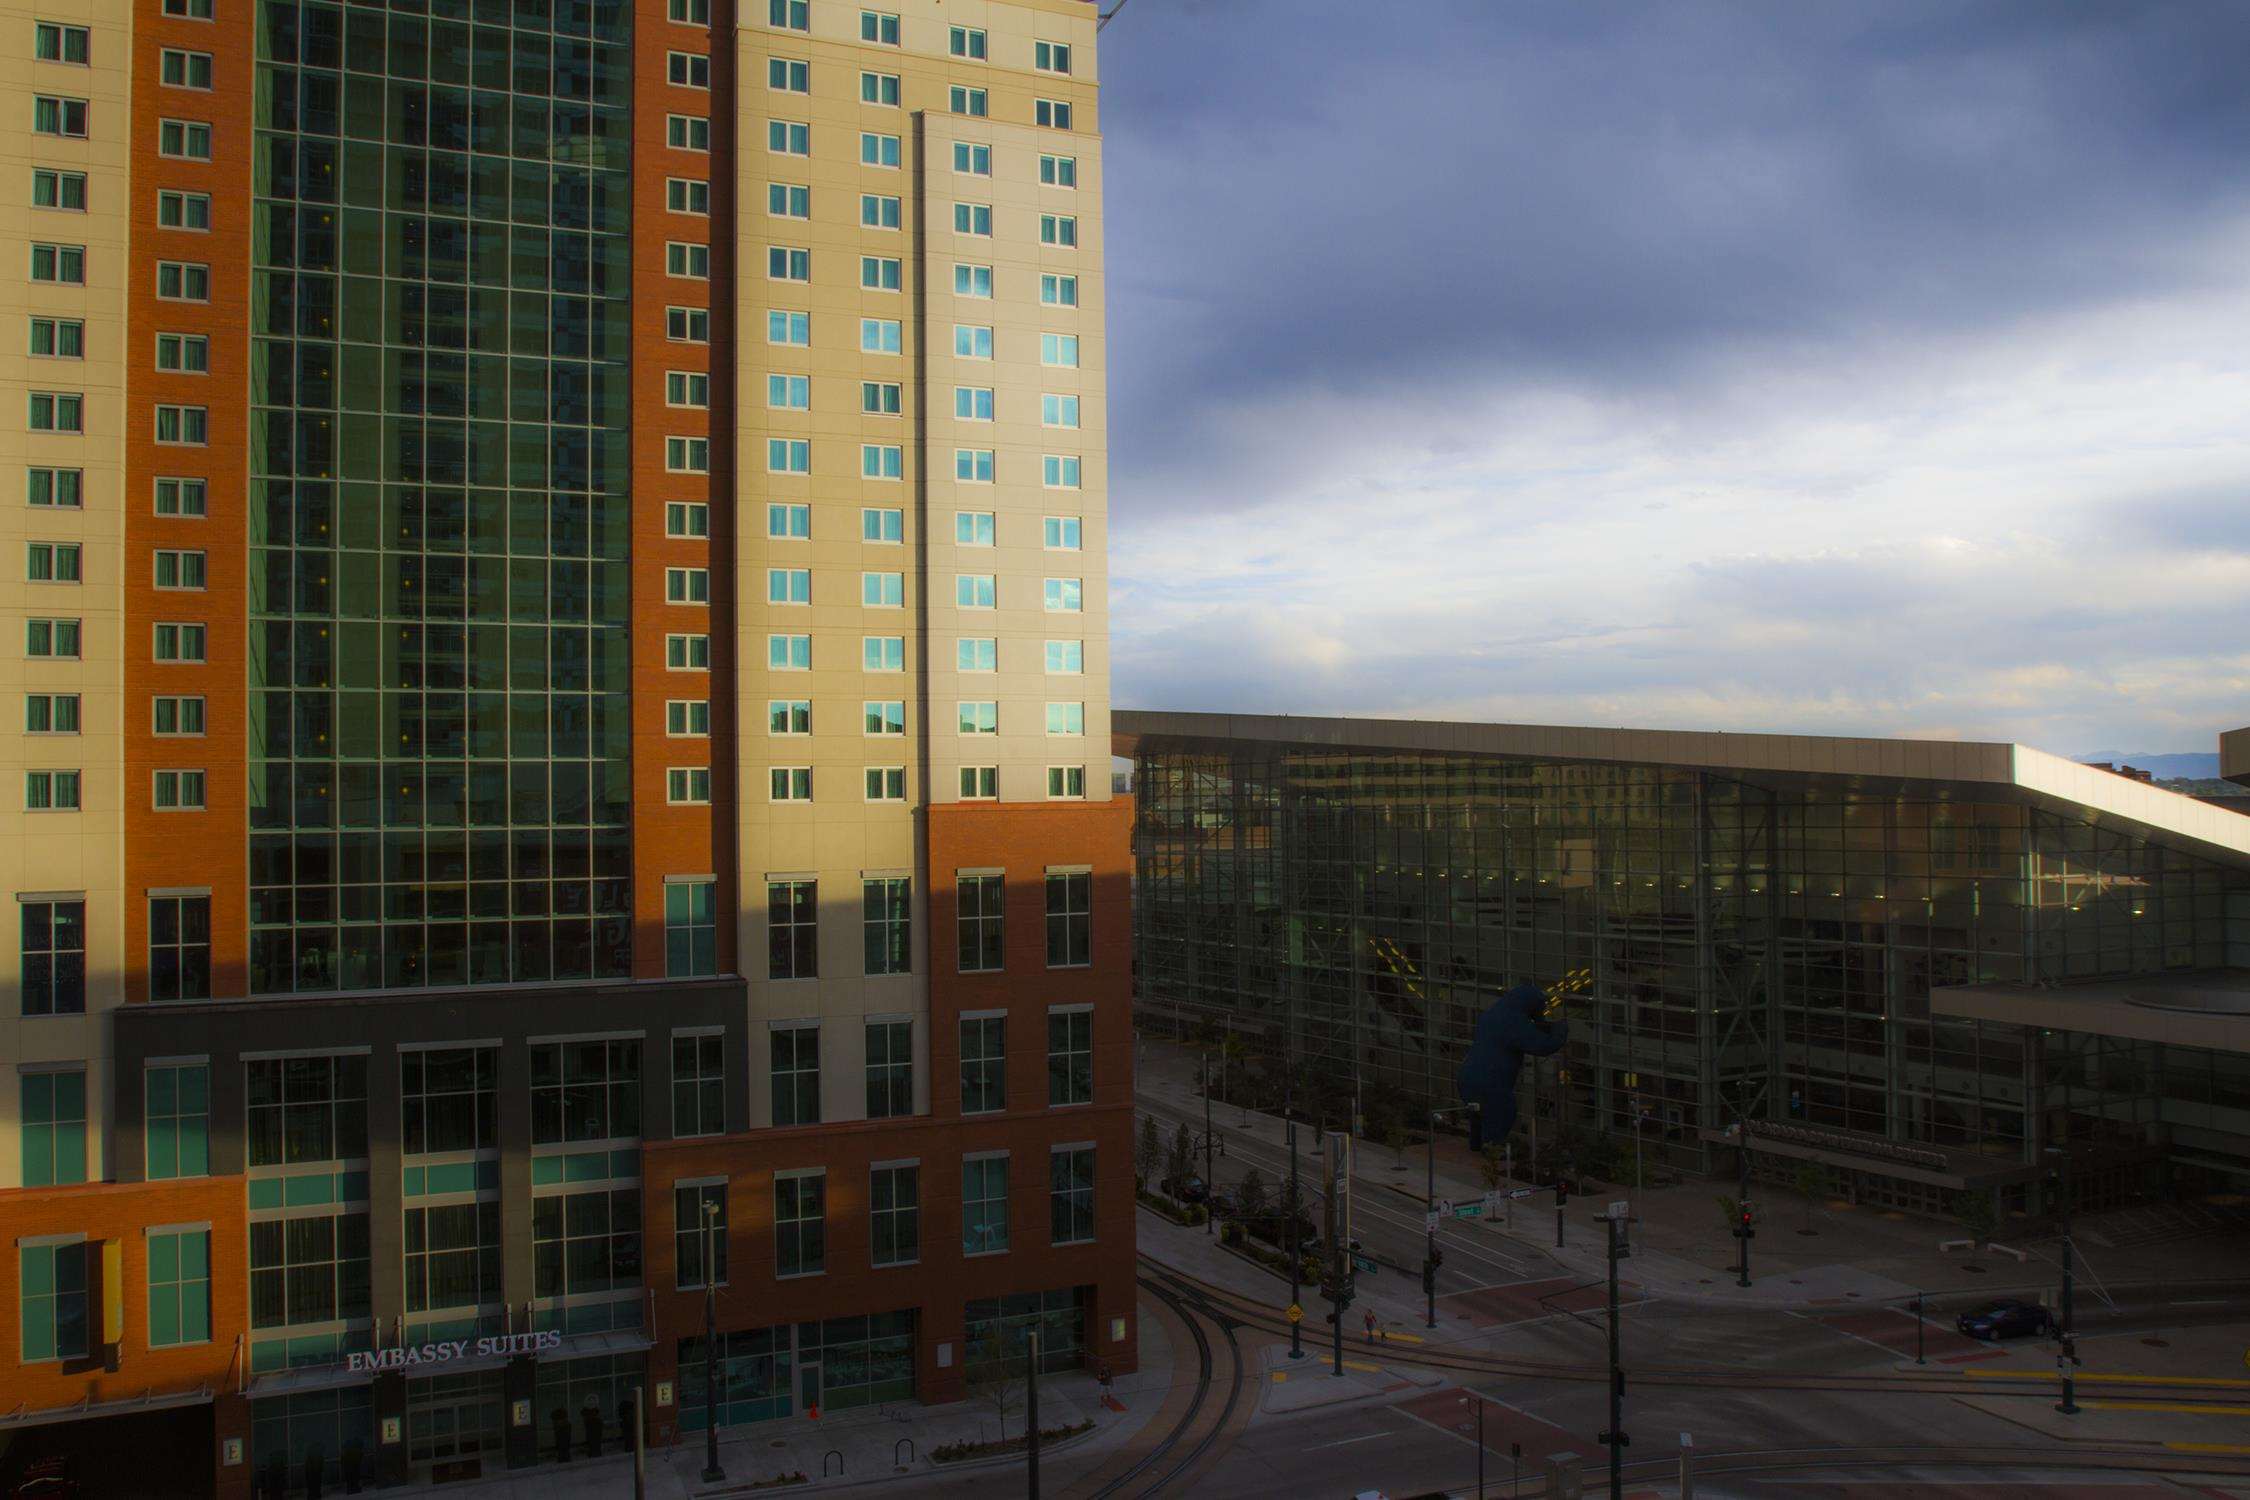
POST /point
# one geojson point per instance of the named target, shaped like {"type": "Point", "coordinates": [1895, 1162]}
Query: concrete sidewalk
{"type": "Point", "coordinates": [1806, 1254]}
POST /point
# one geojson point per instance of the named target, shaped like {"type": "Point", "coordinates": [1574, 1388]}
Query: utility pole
{"type": "Point", "coordinates": [1031, 1407]}
{"type": "Point", "coordinates": [640, 1443]}
{"type": "Point", "coordinates": [712, 1473]}
{"type": "Point", "coordinates": [1921, 1326]}
{"type": "Point", "coordinates": [1429, 1222]}
{"type": "Point", "coordinates": [2066, 1358]}
{"type": "Point", "coordinates": [1335, 1289]}
{"type": "Point", "coordinates": [1615, 1438]}
{"type": "Point", "coordinates": [1742, 1229]}
{"type": "Point", "coordinates": [1296, 1251]}
{"type": "Point", "coordinates": [1210, 1183]}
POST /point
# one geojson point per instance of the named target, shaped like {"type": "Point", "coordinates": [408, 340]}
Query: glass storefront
{"type": "Point", "coordinates": [766, 1372]}
{"type": "Point", "coordinates": [292, 1428]}
{"type": "Point", "coordinates": [604, 1384]}
{"type": "Point", "coordinates": [457, 1416]}
{"type": "Point", "coordinates": [1000, 1323]}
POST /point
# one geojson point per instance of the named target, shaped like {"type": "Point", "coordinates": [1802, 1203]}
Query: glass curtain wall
{"type": "Point", "coordinates": [438, 737]}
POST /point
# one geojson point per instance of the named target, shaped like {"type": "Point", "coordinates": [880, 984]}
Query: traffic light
{"type": "Point", "coordinates": [1742, 1221]}
{"type": "Point", "coordinates": [1562, 1196]}
{"type": "Point", "coordinates": [1437, 1257]}
{"type": "Point", "coordinates": [1429, 1277]}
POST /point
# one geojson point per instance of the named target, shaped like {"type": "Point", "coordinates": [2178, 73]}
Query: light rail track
{"type": "Point", "coordinates": [1200, 1426]}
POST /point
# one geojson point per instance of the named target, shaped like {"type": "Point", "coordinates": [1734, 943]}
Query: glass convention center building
{"type": "Point", "coordinates": [1924, 967]}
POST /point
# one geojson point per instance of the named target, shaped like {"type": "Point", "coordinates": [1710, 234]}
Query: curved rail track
{"type": "Point", "coordinates": [1198, 1428]}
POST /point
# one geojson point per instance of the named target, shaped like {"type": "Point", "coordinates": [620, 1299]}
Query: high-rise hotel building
{"type": "Point", "coordinates": [557, 597]}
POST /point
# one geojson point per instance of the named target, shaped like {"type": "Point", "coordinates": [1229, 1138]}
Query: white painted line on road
{"type": "Point", "coordinates": [1347, 1442]}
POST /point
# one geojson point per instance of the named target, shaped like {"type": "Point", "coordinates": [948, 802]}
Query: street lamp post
{"type": "Point", "coordinates": [1742, 1212]}
{"type": "Point", "coordinates": [1296, 1252]}
{"type": "Point", "coordinates": [712, 1473]}
{"type": "Point", "coordinates": [1209, 1183]}
{"type": "Point", "coordinates": [2067, 1359]}
{"type": "Point", "coordinates": [1429, 1209]}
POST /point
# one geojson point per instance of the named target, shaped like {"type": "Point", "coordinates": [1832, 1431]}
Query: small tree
{"type": "Point", "coordinates": [997, 1374]}
{"type": "Point", "coordinates": [1493, 1167]}
{"type": "Point", "coordinates": [1395, 1136]}
{"type": "Point", "coordinates": [1253, 1201]}
{"type": "Point", "coordinates": [1811, 1181]}
{"type": "Point", "coordinates": [1979, 1214]}
{"type": "Point", "coordinates": [1149, 1155]}
{"type": "Point", "coordinates": [1182, 1160]}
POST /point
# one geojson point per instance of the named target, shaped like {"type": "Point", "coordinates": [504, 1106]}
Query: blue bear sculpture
{"type": "Point", "coordinates": [1511, 1028]}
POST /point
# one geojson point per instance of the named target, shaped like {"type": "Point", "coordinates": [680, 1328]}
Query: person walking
{"type": "Point", "coordinates": [1370, 1320]}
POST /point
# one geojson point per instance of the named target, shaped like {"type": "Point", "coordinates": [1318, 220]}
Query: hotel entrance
{"type": "Point", "coordinates": [456, 1424]}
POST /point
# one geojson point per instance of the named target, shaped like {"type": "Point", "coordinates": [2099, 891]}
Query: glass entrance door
{"type": "Point", "coordinates": [452, 1417]}
{"type": "Point", "coordinates": [808, 1388]}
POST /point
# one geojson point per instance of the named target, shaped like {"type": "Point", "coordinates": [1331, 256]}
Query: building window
{"type": "Point", "coordinates": [975, 590]}
{"type": "Point", "coordinates": [54, 957]}
{"type": "Point", "coordinates": [882, 653]}
{"type": "Point", "coordinates": [789, 522]}
{"type": "Point", "coordinates": [179, 791]}
{"type": "Point", "coordinates": [65, 411]}
{"type": "Point", "coordinates": [587, 1244]}
{"type": "Point", "coordinates": [449, 1099]}
{"type": "Point", "coordinates": [1066, 658]}
{"type": "Point", "coordinates": [179, 1288]}
{"type": "Point", "coordinates": [789, 653]}
{"type": "Point", "coordinates": [55, 116]}
{"type": "Point", "coordinates": [189, 10]}
{"type": "Point", "coordinates": [178, 717]}
{"type": "Point", "coordinates": [688, 718]}
{"type": "Point", "coordinates": [800, 1212]}
{"type": "Point", "coordinates": [1064, 596]}
{"type": "Point", "coordinates": [1059, 471]}
{"type": "Point", "coordinates": [890, 1069]}
{"type": "Point", "coordinates": [894, 1196]}
{"type": "Point", "coordinates": [984, 1064]}
{"type": "Point", "coordinates": [980, 783]}
{"type": "Point", "coordinates": [881, 398]}
{"type": "Point", "coordinates": [687, 260]}
{"type": "Point", "coordinates": [687, 388]}
{"type": "Point", "coordinates": [688, 786]}
{"type": "Point", "coordinates": [687, 455]}
{"type": "Point", "coordinates": [880, 89]}
{"type": "Point", "coordinates": [687, 132]}
{"type": "Point", "coordinates": [881, 273]}
{"type": "Point", "coordinates": [185, 498]}
{"type": "Point", "coordinates": [1066, 783]}
{"type": "Point", "coordinates": [65, 338]}
{"type": "Point", "coordinates": [789, 392]}
{"type": "Point", "coordinates": [976, 653]}
{"type": "Point", "coordinates": [305, 1109]}
{"type": "Point", "coordinates": [877, 150]}
{"type": "Point", "coordinates": [63, 264]}
{"type": "Point", "coordinates": [53, 42]}
{"type": "Point", "coordinates": [687, 585]}
{"type": "Point", "coordinates": [694, 12]}
{"type": "Point", "coordinates": [796, 1075]}
{"type": "Point", "coordinates": [887, 925]}
{"type": "Point", "coordinates": [175, 210]}
{"type": "Point", "coordinates": [788, 456]}
{"type": "Point", "coordinates": [51, 1282]}
{"type": "Point", "coordinates": [972, 160]}
{"type": "Point", "coordinates": [1059, 230]}
{"type": "Point", "coordinates": [50, 791]}
{"type": "Point", "coordinates": [1050, 57]}
{"type": "Point", "coordinates": [585, 1091]}
{"type": "Point", "coordinates": [786, 201]}
{"type": "Point", "coordinates": [52, 562]}
{"type": "Point", "coordinates": [883, 717]}
{"type": "Point", "coordinates": [971, 341]}
{"type": "Point", "coordinates": [789, 716]}
{"type": "Point", "coordinates": [967, 101]}
{"type": "Point", "coordinates": [1070, 1056]}
{"type": "Point", "coordinates": [1058, 411]}
{"type": "Point", "coordinates": [57, 489]}
{"type": "Point", "coordinates": [1070, 919]}
{"type": "Point", "coordinates": [973, 403]}
{"type": "Point", "coordinates": [183, 353]}
{"type": "Point", "coordinates": [687, 653]}
{"type": "Point", "coordinates": [188, 425]}
{"type": "Point", "coordinates": [790, 15]}
{"type": "Point", "coordinates": [183, 281]}
{"type": "Point", "coordinates": [452, 1256]}
{"type": "Point", "coordinates": [312, 1268]}
{"type": "Point", "coordinates": [882, 461]}
{"type": "Point", "coordinates": [1052, 113]}
{"type": "Point", "coordinates": [53, 1132]}
{"type": "Point", "coordinates": [972, 281]}
{"type": "Point", "coordinates": [789, 784]}
{"type": "Point", "coordinates": [1070, 1195]}
{"type": "Point", "coordinates": [982, 901]}
{"type": "Point", "coordinates": [689, 1208]}
{"type": "Point", "coordinates": [879, 27]}
{"type": "Point", "coordinates": [973, 219]}
{"type": "Point", "coordinates": [179, 948]}
{"type": "Point", "coordinates": [188, 140]}
{"type": "Point", "coordinates": [688, 325]}
{"type": "Point", "coordinates": [1063, 534]}
{"type": "Point", "coordinates": [176, 1121]}
{"type": "Point", "coordinates": [1058, 291]}
{"type": "Point", "coordinates": [984, 1205]}
{"type": "Point", "coordinates": [699, 1084]}
{"type": "Point", "coordinates": [784, 263]}
{"type": "Point", "coordinates": [885, 524]}
{"type": "Point", "coordinates": [179, 570]}
{"type": "Point", "coordinates": [687, 195]}
{"type": "Point", "coordinates": [691, 928]}
{"type": "Point", "coordinates": [1059, 171]}
{"type": "Point", "coordinates": [54, 639]}
{"type": "Point", "coordinates": [788, 138]}
{"type": "Point", "coordinates": [979, 716]}
{"type": "Point", "coordinates": [50, 713]}
{"type": "Point", "coordinates": [966, 41]}
{"type": "Point", "coordinates": [878, 211]}
{"type": "Point", "coordinates": [880, 336]}
{"type": "Point", "coordinates": [886, 783]}
{"type": "Point", "coordinates": [1066, 718]}
{"type": "Point", "coordinates": [184, 70]}
{"type": "Point", "coordinates": [792, 932]}
{"type": "Point", "coordinates": [1059, 350]}
{"type": "Point", "coordinates": [688, 70]}
{"type": "Point", "coordinates": [788, 75]}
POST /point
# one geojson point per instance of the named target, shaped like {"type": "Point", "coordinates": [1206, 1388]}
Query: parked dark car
{"type": "Point", "coordinates": [1189, 1189]}
{"type": "Point", "coordinates": [2006, 1320]}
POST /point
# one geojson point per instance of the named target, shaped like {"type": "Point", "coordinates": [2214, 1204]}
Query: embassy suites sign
{"type": "Point", "coordinates": [447, 1351]}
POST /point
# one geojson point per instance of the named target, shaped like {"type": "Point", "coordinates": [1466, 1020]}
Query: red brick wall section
{"type": "Point", "coordinates": [123, 1212]}
{"type": "Point", "coordinates": [205, 848]}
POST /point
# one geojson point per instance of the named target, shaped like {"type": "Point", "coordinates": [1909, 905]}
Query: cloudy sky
{"type": "Point", "coordinates": [1871, 368]}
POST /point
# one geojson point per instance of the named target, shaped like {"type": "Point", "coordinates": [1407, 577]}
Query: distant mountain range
{"type": "Point", "coordinates": [2193, 765]}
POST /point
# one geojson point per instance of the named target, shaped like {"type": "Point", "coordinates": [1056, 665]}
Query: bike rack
{"type": "Point", "coordinates": [832, 1453]}
{"type": "Point", "coordinates": [908, 1445]}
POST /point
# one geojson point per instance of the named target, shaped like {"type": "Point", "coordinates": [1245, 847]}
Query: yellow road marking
{"type": "Point", "coordinates": [1350, 1364]}
{"type": "Point", "coordinates": [1415, 1338]}
{"type": "Point", "coordinates": [2190, 1408]}
{"type": "Point", "coordinates": [2209, 1447]}
{"type": "Point", "coordinates": [2195, 1380]}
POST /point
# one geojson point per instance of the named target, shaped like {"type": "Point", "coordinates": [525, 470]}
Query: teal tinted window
{"type": "Point", "coordinates": [176, 1126]}
{"type": "Point", "coordinates": [54, 1128]}
{"type": "Point", "coordinates": [179, 1288]}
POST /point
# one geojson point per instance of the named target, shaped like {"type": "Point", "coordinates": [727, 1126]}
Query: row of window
{"type": "Point", "coordinates": [63, 562]}
{"type": "Point", "coordinates": [60, 791]}
{"type": "Point", "coordinates": [886, 526]}
{"type": "Point", "coordinates": [881, 29]}
{"type": "Point", "coordinates": [793, 939]}
{"type": "Point", "coordinates": [800, 1211]}
{"type": "Point", "coordinates": [65, 338]}
{"type": "Point", "coordinates": [56, 1271]}
{"type": "Point", "coordinates": [690, 786]}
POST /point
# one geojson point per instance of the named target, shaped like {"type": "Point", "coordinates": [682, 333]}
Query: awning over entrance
{"type": "Point", "coordinates": [2186, 1008]}
{"type": "Point", "coordinates": [85, 1410]}
{"type": "Point", "coordinates": [330, 1377]}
